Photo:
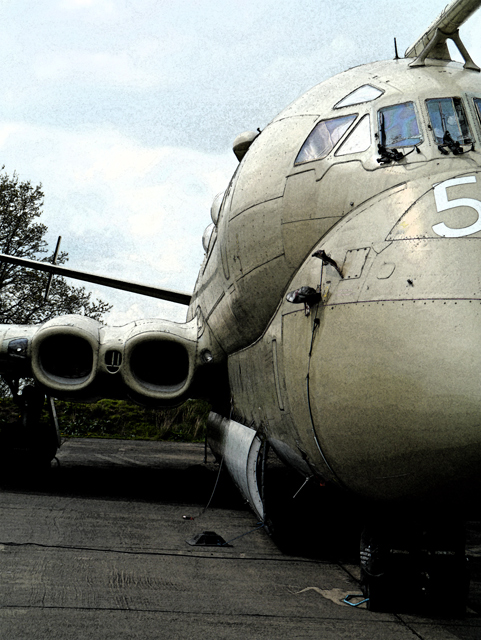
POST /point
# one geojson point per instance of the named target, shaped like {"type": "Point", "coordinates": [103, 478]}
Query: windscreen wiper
{"type": "Point", "coordinates": [448, 141]}
{"type": "Point", "coordinates": [387, 155]}
{"type": "Point", "coordinates": [453, 145]}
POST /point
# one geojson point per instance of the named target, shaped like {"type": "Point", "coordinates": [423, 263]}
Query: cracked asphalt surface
{"type": "Point", "coordinates": [97, 548]}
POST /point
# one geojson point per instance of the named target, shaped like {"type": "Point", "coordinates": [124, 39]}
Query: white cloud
{"type": "Point", "coordinates": [105, 6]}
{"type": "Point", "coordinates": [125, 209]}
{"type": "Point", "coordinates": [100, 68]}
{"type": "Point", "coordinates": [190, 73]}
{"type": "Point", "coordinates": [8, 130]}
{"type": "Point", "coordinates": [470, 36]}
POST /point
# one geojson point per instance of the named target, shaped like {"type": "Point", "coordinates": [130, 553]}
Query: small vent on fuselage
{"type": "Point", "coordinates": [113, 360]}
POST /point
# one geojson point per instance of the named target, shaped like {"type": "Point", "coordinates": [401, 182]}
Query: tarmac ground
{"type": "Point", "coordinates": [96, 548]}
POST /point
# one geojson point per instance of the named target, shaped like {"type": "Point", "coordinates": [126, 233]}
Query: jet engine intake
{"type": "Point", "coordinates": [148, 360]}
{"type": "Point", "coordinates": [65, 354]}
{"type": "Point", "coordinates": [160, 358]}
{"type": "Point", "coordinates": [153, 362]}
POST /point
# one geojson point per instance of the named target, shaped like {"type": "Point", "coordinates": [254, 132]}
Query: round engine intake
{"type": "Point", "coordinates": [160, 365]}
{"type": "Point", "coordinates": [66, 357]}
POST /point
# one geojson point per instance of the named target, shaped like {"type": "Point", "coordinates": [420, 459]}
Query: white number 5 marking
{"type": "Point", "coordinates": [443, 204]}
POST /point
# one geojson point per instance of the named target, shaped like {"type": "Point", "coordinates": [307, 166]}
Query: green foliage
{"type": "Point", "coordinates": [22, 302]}
{"type": "Point", "coordinates": [120, 419]}
{"type": "Point", "coordinates": [21, 235]}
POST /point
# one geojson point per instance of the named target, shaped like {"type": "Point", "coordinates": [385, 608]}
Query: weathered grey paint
{"type": "Point", "coordinates": [377, 389]}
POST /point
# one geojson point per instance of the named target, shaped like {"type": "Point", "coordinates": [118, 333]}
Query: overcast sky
{"type": "Point", "coordinates": [126, 110]}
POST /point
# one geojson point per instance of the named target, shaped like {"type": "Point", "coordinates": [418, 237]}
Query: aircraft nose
{"type": "Point", "coordinates": [392, 354]}
{"type": "Point", "coordinates": [394, 391]}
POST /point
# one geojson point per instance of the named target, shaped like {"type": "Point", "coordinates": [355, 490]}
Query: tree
{"type": "Point", "coordinates": [22, 290]}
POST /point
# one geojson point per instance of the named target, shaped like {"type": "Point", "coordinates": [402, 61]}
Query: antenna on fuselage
{"type": "Point", "coordinates": [433, 44]}
{"type": "Point", "coordinates": [396, 55]}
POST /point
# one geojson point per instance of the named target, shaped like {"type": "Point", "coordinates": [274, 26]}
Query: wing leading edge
{"type": "Point", "coordinates": [171, 295]}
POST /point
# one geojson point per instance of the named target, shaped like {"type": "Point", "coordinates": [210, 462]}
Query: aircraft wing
{"type": "Point", "coordinates": [153, 361]}
{"type": "Point", "coordinates": [115, 283]}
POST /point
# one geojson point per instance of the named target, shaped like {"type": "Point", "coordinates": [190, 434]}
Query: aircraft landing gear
{"type": "Point", "coordinates": [420, 566]}
{"type": "Point", "coordinates": [32, 439]}
{"type": "Point", "coordinates": [41, 438]}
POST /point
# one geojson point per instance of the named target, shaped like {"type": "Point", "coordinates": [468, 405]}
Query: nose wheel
{"type": "Point", "coordinates": [420, 567]}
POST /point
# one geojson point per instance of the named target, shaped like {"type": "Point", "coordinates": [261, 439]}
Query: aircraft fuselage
{"type": "Point", "coordinates": [377, 388]}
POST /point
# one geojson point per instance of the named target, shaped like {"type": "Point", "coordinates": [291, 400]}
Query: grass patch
{"type": "Point", "coordinates": [120, 419]}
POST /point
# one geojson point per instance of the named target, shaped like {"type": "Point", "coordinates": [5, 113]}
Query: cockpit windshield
{"type": "Point", "coordinates": [477, 103]}
{"type": "Point", "coordinates": [447, 116]}
{"type": "Point", "coordinates": [398, 126]}
{"type": "Point", "coordinates": [323, 138]}
{"type": "Point", "coordinates": [366, 93]}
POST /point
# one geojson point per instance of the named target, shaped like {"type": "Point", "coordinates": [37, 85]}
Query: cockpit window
{"type": "Point", "coordinates": [359, 139]}
{"type": "Point", "coordinates": [398, 126]}
{"type": "Point", "coordinates": [366, 93]}
{"type": "Point", "coordinates": [323, 138]}
{"type": "Point", "coordinates": [447, 115]}
{"type": "Point", "coordinates": [477, 104]}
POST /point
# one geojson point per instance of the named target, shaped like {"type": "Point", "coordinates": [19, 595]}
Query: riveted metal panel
{"type": "Point", "coordinates": [354, 263]}
{"type": "Point", "coordinates": [263, 173]}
